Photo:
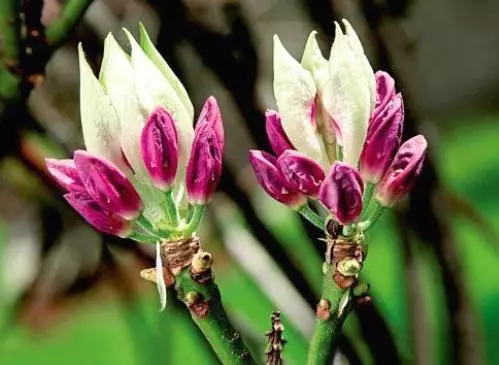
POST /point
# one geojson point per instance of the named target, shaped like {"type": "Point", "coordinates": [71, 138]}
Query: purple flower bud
{"type": "Point", "coordinates": [65, 174]}
{"type": "Point", "coordinates": [159, 148]}
{"type": "Point", "coordinates": [341, 192]}
{"type": "Point", "coordinates": [99, 217]}
{"type": "Point", "coordinates": [385, 90]}
{"type": "Point", "coordinates": [275, 133]}
{"type": "Point", "coordinates": [272, 180]}
{"type": "Point", "coordinates": [107, 185]}
{"type": "Point", "coordinates": [383, 139]}
{"type": "Point", "coordinates": [300, 172]}
{"type": "Point", "coordinates": [205, 165]}
{"type": "Point", "coordinates": [210, 114]}
{"type": "Point", "coordinates": [403, 171]}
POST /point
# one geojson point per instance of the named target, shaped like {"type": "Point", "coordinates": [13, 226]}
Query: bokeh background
{"type": "Point", "coordinates": [71, 295]}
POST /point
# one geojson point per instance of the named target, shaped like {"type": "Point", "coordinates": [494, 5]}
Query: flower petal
{"type": "Point", "coordinates": [108, 185]}
{"type": "Point", "coordinates": [159, 148]}
{"type": "Point", "coordinates": [99, 121]}
{"type": "Point", "coordinates": [64, 172]}
{"type": "Point", "coordinates": [272, 180]}
{"type": "Point", "coordinates": [341, 192]}
{"type": "Point", "coordinates": [346, 97]}
{"type": "Point", "coordinates": [403, 171]}
{"type": "Point", "coordinates": [294, 90]}
{"type": "Point", "coordinates": [117, 77]}
{"type": "Point", "coordinates": [275, 133]}
{"type": "Point", "coordinates": [383, 139]}
{"type": "Point", "coordinates": [385, 90]}
{"type": "Point", "coordinates": [155, 90]}
{"type": "Point", "coordinates": [99, 217]}
{"type": "Point", "coordinates": [153, 54]}
{"type": "Point", "coordinates": [205, 165]}
{"type": "Point", "coordinates": [160, 280]}
{"type": "Point", "coordinates": [301, 173]}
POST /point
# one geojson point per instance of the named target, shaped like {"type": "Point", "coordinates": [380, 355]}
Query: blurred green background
{"type": "Point", "coordinates": [69, 296]}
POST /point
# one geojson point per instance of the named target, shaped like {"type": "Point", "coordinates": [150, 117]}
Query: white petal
{"type": "Point", "coordinates": [99, 121]}
{"type": "Point", "coordinates": [347, 97]}
{"type": "Point", "coordinates": [117, 77]}
{"type": "Point", "coordinates": [356, 45]}
{"type": "Point", "coordinates": [160, 280]}
{"type": "Point", "coordinates": [154, 90]}
{"type": "Point", "coordinates": [294, 90]}
{"type": "Point", "coordinates": [313, 61]}
{"type": "Point", "coordinates": [158, 60]}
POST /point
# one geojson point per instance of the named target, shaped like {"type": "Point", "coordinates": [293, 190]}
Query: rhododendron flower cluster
{"type": "Point", "coordinates": [336, 134]}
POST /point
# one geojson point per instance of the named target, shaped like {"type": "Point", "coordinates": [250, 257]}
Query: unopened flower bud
{"type": "Point", "coordinates": [385, 90]}
{"type": "Point", "coordinates": [98, 216]}
{"type": "Point", "coordinates": [275, 133]}
{"type": "Point", "coordinates": [403, 171]}
{"type": "Point", "coordinates": [341, 192]}
{"type": "Point", "coordinates": [301, 173]}
{"type": "Point", "coordinates": [107, 185]}
{"type": "Point", "coordinates": [65, 174]}
{"type": "Point", "coordinates": [272, 180]}
{"type": "Point", "coordinates": [205, 164]}
{"type": "Point", "coordinates": [383, 139]}
{"type": "Point", "coordinates": [159, 148]}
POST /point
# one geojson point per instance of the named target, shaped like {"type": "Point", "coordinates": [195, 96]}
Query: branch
{"type": "Point", "coordinates": [273, 355]}
{"type": "Point", "coordinates": [60, 29]}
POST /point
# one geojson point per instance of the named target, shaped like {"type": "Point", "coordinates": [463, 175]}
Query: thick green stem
{"type": "Point", "coordinates": [195, 220]}
{"type": "Point", "coordinates": [331, 313]}
{"type": "Point", "coordinates": [366, 198]}
{"type": "Point", "coordinates": [202, 297]}
{"type": "Point", "coordinates": [59, 30]}
{"type": "Point", "coordinates": [311, 216]}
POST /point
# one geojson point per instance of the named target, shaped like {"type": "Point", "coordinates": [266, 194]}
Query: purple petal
{"type": "Point", "coordinates": [272, 180]}
{"type": "Point", "coordinates": [403, 171]}
{"type": "Point", "coordinates": [275, 133]}
{"type": "Point", "coordinates": [108, 185]}
{"type": "Point", "coordinates": [159, 148]}
{"type": "Point", "coordinates": [210, 114]}
{"type": "Point", "coordinates": [65, 174]}
{"type": "Point", "coordinates": [383, 139]}
{"type": "Point", "coordinates": [99, 217]}
{"type": "Point", "coordinates": [341, 192]}
{"type": "Point", "coordinates": [300, 172]}
{"type": "Point", "coordinates": [205, 165]}
{"type": "Point", "coordinates": [385, 90]}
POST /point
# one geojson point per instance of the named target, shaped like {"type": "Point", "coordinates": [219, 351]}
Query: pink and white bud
{"type": "Point", "coordinates": [341, 192]}
{"type": "Point", "coordinates": [99, 217]}
{"type": "Point", "coordinates": [383, 139]}
{"type": "Point", "coordinates": [275, 133]}
{"type": "Point", "coordinates": [65, 174]}
{"type": "Point", "coordinates": [210, 114]}
{"type": "Point", "coordinates": [385, 90]}
{"type": "Point", "coordinates": [205, 165]}
{"type": "Point", "coordinates": [300, 172]}
{"type": "Point", "coordinates": [159, 148]}
{"type": "Point", "coordinates": [107, 185]}
{"type": "Point", "coordinates": [272, 180]}
{"type": "Point", "coordinates": [403, 171]}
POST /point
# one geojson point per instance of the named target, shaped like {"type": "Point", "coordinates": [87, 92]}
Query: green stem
{"type": "Point", "coordinates": [366, 198]}
{"type": "Point", "coordinates": [171, 208]}
{"type": "Point", "coordinates": [329, 321]}
{"type": "Point", "coordinates": [204, 303]}
{"type": "Point", "coordinates": [195, 220]}
{"type": "Point", "coordinates": [373, 217]}
{"type": "Point", "coordinates": [59, 30]}
{"type": "Point", "coordinates": [311, 216]}
{"type": "Point", "coordinates": [143, 238]}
